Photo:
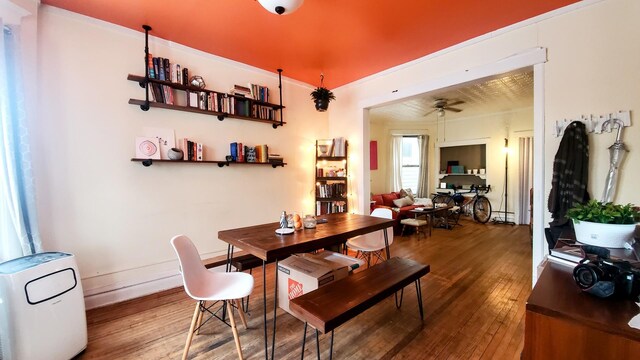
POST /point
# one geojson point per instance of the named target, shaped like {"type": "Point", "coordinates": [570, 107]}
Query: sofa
{"type": "Point", "coordinates": [398, 202]}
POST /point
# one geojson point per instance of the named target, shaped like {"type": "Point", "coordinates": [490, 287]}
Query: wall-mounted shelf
{"type": "Point", "coordinates": [209, 102]}
{"type": "Point", "coordinates": [220, 115]}
{"type": "Point", "coordinates": [221, 163]}
{"type": "Point", "coordinates": [481, 176]}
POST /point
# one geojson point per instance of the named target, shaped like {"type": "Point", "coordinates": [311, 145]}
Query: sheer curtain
{"type": "Point", "coordinates": [19, 234]}
{"type": "Point", "coordinates": [396, 163]}
{"type": "Point", "coordinates": [423, 172]}
{"type": "Point", "coordinates": [525, 179]}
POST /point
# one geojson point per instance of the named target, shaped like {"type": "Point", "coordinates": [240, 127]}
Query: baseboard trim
{"type": "Point", "coordinates": [131, 292]}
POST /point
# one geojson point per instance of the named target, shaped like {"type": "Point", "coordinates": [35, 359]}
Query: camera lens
{"type": "Point", "coordinates": [585, 276]}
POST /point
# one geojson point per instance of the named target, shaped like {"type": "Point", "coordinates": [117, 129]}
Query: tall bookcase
{"type": "Point", "coordinates": [332, 186]}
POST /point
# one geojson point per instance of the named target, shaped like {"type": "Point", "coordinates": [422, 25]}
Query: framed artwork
{"type": "Point", "coordinates": [166, 139]}
{"type": "Point", "coordinates": [147, 148]}
{"type": "Point", "coordinates": [373, 155]}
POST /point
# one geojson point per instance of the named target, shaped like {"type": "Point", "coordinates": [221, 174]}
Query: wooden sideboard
{"type": "Point", "coordinates": [562, 322]}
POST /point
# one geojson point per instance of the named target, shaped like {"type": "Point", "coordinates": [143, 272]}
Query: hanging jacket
{"type": "Point", "coordinates": [570, 173]}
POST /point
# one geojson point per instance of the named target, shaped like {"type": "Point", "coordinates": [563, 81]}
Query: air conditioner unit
{"type": "Point", "coordinates": [42, 314]}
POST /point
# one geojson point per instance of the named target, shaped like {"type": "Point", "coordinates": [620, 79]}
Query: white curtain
{"type": "Point", "coordinates": [396, 163]}
{"type": "Point", "coordinates": [525, 176]}
{"type": "Point", "coordinates": [423, 172]}
{"type": "Point", "coordinates": [19, 234]}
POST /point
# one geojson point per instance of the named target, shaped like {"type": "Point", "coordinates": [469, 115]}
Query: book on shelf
{"type": "Point", "coordinates": [167, 69]}
{"type": "Point", "coordinates": [185, 76]}
{"type": "Point", "coordinates": [233, 148]}
{"type": "Point", "coordinates": [199, 152]}
{"type": "Point", "coordinates": [152, 72]}
{"type": "Point", "coordinates": [241, 91]}
{"type": "Point", "coordinates": [161, 72]}
{"type": "Point", "coordinates": [259, 92]}
{"type": "Point", "coordinates": [240, 152]}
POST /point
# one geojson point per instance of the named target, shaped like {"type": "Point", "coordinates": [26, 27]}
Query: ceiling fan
{"type": "Point", "coordinates": [442, 105]}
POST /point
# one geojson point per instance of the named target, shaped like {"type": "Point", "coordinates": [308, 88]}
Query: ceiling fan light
{"type": "Point", "coordinates": [281, 7]}
{"type": "Point", "coordinates": [441, 112]}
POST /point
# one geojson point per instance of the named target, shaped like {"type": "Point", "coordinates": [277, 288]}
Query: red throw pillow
{"type": "Point", "coordinates": [377, 199]}
{"type": "Point", "coordinates": [387, 199]}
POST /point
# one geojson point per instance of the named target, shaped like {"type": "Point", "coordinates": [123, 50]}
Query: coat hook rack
{"type": "Point", "coordinates": [593, 123]}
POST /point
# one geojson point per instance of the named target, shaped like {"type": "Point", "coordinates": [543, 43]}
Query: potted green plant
{"type": "Point", "coordinates": [604, 224]}
{"type": "Point", "coordinates": [322, 96]}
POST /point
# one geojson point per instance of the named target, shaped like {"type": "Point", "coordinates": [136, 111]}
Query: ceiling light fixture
{"type": "Point", "coordinates": [441, 112]}
{"type": "Point", "coordinates": [281, 7]}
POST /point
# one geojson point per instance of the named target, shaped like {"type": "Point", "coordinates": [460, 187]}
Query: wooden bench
{"type": "Point", "coordinates": [336, 303]}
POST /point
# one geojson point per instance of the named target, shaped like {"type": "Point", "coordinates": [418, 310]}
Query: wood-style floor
{"type": "Point", "coordinates": [474, 303]}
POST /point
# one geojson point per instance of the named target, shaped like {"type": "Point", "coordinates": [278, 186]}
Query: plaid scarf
{"type": "Point", "coordinates": [570, 173]}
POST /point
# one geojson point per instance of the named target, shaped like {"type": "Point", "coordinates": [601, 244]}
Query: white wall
{"type": "Point", "coordinates": [117, 216]}
{"type": "Point", "coordinates": [593, 52]}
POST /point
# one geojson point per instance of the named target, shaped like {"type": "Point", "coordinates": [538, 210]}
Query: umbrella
{"type": "Point", "coordinates": [617, 151]}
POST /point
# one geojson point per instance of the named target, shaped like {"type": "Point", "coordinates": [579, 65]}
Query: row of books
{"type": "Point", "coordinates": [330, 207]}
{"type": "Point", "coordinates": [164, 69]}
{"type": "Point", "coordinates": [254, 91]}
{"type": "Point", "coordinates": [220, 102]}
{"type": "Point", "coordinates": [331, 190]}
{"type": "Point", "coordinates": [161, 93]}
{"type": "Point", "coordinates": [336, 147]}
{"type": "Point", "coordinates": [258, 153]}
{"type": "Point", "coordinates": [191, 150]}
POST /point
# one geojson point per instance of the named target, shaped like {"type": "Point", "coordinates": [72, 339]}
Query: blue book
{"type": "Point", "coordinates": [234, 151]}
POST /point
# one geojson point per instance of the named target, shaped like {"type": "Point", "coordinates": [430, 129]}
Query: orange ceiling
{"type": "Point", "coordinates": [344, 39]}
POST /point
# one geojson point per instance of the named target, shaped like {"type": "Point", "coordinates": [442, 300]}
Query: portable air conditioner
{"type": "Point", "coordinates": [42, 313]}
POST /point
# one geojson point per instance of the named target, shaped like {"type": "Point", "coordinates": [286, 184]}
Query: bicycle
{"type": "Point", "coordinates": [477, 206]}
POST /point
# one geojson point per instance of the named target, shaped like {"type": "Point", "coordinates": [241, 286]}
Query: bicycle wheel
{"type": "Point", "coordinates": [443, 199]}
{"type": "Point", "coordinates": [482, 209]}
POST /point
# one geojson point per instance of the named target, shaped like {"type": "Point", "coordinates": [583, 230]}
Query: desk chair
{"type": "Point", "coordinates": [372, 243]}
{"type": "Point", "coordinates": [203, 285]}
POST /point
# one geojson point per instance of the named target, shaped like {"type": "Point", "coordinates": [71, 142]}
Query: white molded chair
{"type": "Point", "coordinates": [205, 285]}
{"type": "Point", "coordinates": [372, 243]}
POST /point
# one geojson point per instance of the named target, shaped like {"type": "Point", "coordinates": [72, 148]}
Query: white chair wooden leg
{"type": "Point", "coordinates": [242, 317]}
{"type": "Point", "coordinates": [194, 320]}
{"type": "Point", "coordinates": [234, 329]}
{"type": "Point", "coordinates": [204, 305]}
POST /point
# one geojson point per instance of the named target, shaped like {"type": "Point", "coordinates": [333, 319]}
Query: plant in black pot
{"type": "Point", "coordinates": [322, 96]}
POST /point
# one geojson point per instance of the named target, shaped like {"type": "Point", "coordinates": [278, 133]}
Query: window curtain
{"type": "Point", "coordinates": [423, 172]}
{"type": "Point", "coordinates": [19, 234]}
{"type": "Point", "coordinates": [525, 179]}
{"type": "Point", "coordinates": [396, 163]}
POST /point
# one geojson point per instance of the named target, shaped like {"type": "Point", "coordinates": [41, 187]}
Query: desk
{"type": "Point", "coordinates": [430, 212]}
{"type": "Point", "coordinates": [262, 242]}
{"type": "Point", "coordinates": [562, 322]}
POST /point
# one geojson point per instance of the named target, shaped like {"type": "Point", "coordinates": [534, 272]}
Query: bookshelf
{"type": "Point", "coordinates": [204, 101]}
{"type": "Point", "coordinates": [332, 184]}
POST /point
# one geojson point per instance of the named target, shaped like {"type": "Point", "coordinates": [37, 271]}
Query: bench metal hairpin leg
{"type": "Point", "coordinates": [399, 304]}
{"type": "Point", "coordinates": [419, 293]}
{"type": "Point", "coordinates": [331, 347]}
{"type": "Point", "coordinates": [264, 308]}
{"type": "Point", "coordinates": [317, 344]}
{"type": "Point", "coordinates": [304, 339]}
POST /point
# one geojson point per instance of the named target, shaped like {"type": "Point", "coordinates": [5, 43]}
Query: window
{"type": "Point", "coordinates": [410, 163]}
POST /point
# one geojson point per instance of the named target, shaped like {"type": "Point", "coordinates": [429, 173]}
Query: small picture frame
{"type": "Point", "coordinates": [147, 148]}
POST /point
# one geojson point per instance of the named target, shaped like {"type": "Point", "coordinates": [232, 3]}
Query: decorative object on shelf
{"type": "Point", "coordinates": [322, 96]}
{"type": "Point", "coordinates": [281, 7]}
{"type": "Point", "coordinates": [147, 148]}
{"type": "Point", "coordinates": [604, 224]}
{"type": "Point", "coordinates": [166, 139]}
{"type": "Point", "coordinates": [175, 154]}
{"type": "Point", "coordinates": [197, 81]}
{"type": "Point", "coordinates": [228, 158]}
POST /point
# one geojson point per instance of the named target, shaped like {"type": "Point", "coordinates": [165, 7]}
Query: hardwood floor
{"type": "Point", "coordinates": [474, 303]}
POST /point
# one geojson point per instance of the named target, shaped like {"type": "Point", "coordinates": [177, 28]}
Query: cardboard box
{"type": "Point", "coordinates": [301, 273]}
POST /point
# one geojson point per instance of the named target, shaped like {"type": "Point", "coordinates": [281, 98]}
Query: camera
{"type": "Point", "coordinates": [599, 275]}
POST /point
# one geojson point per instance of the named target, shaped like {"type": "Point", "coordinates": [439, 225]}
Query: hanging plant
{"type": "Point", "coordinates": [322, 96]}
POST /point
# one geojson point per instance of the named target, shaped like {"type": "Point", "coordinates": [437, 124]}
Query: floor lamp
{"type": "Point", "coordinates": [506, 186]}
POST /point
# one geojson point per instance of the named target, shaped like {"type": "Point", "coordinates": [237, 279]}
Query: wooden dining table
{"type": "Point", "coordinates": [263, 242]}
